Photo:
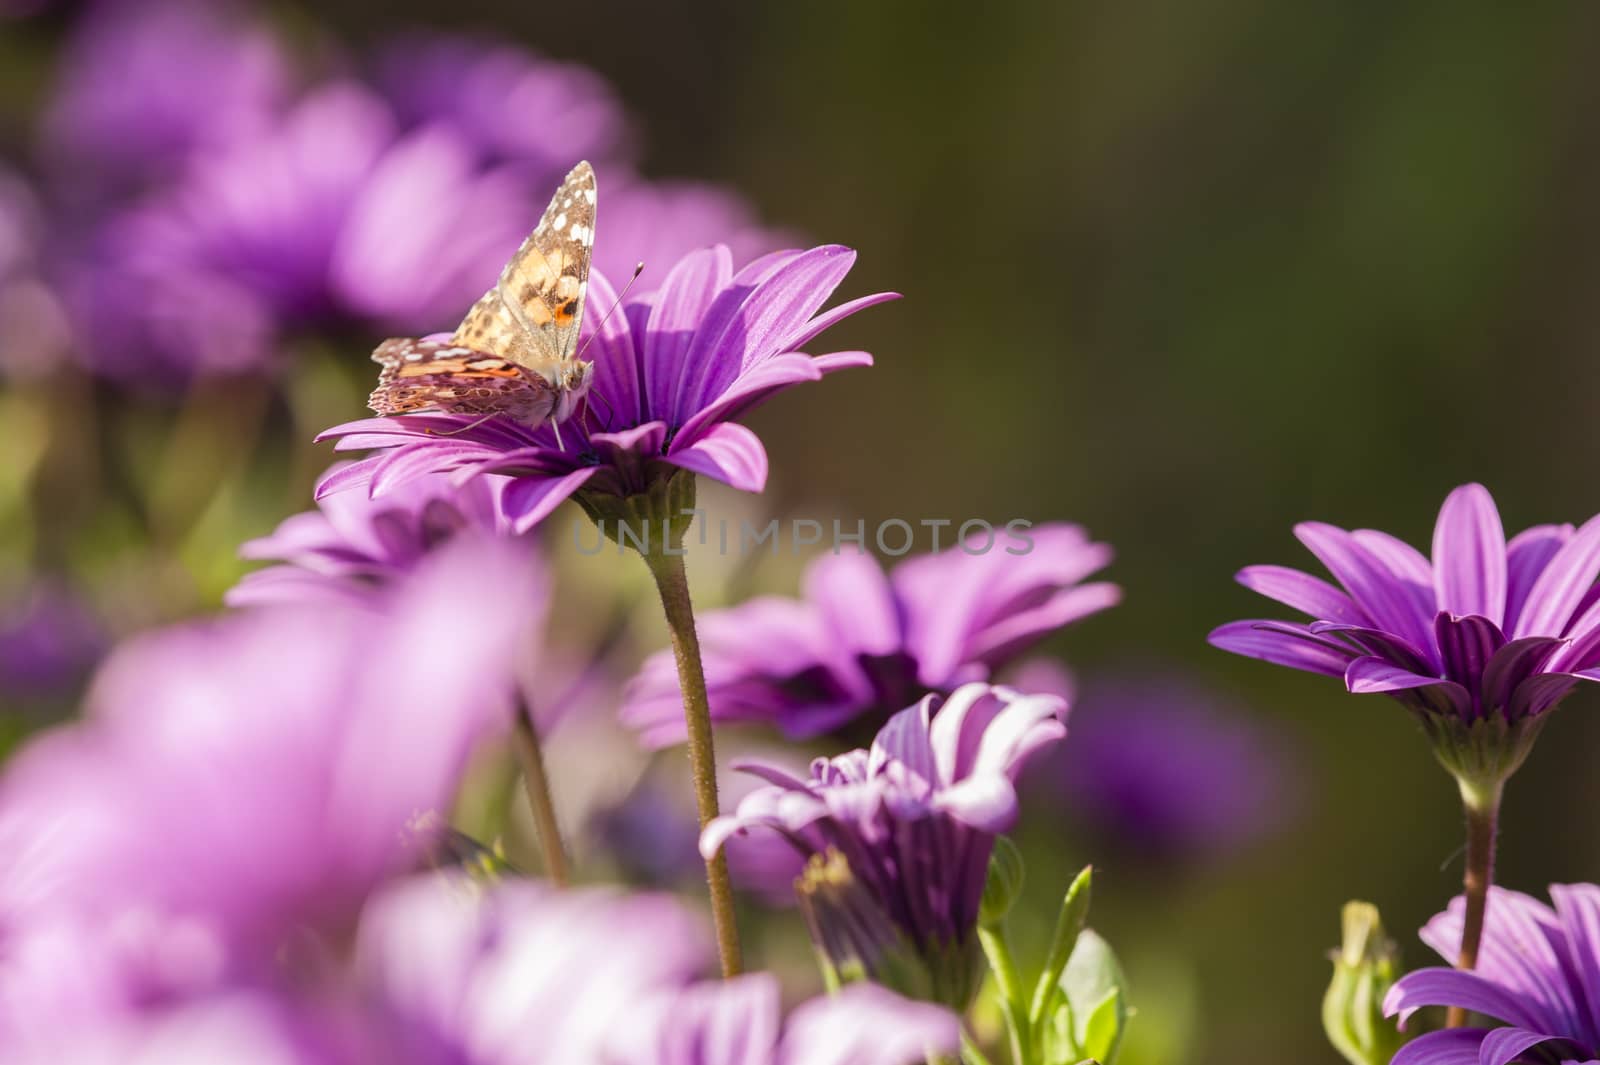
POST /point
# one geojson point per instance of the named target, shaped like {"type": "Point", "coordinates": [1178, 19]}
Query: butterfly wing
{"type": "Point", "coordinates": [420, 375]}
{"type": "Point", "coordinates": [532, 315]}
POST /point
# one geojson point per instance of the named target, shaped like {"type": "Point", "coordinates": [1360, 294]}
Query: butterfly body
{"type": "Point", "coordinates": [515, 353]}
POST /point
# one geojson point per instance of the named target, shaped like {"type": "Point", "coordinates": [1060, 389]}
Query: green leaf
{"type": "Point", "coordinates": [1069, 923]}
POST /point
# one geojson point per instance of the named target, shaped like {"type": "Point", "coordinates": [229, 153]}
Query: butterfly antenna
{"type": "Point", "coordinates": [462, 429]}
{"type": "Point", "coordinates": [609, 409]}
{"type": "Point", "coordinates": [637, 270]}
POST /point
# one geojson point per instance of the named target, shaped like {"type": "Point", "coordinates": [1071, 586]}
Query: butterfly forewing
{"type": "Point", "coordinates": [509, 353]}
{"type": "Point", "coordinates": [420, 375]}
{"type": "Point", "coordinates": [533, 313]}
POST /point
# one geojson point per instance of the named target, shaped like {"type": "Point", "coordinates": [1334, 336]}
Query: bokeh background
{"type": "Point", "coordinates": [1185, 273]}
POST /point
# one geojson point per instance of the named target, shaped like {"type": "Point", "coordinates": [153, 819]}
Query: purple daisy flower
{"type": "Point", "coordinates": [863, 643]}
{"type": "Point", "coordinates": [144, 86]}
{"type": "Point", "coordinates": [352, 545]}
{"type": "Point", "coordinates": [899, 836]}
{"type": "Point", "coordinates": [509, 104]}
{"type": "Point", "coordinates": [674, 367]}
{"type": "Point", "coordinates": [1163, 767]}
{"type": "Point", "coordinates": [1487, 631]}
{"type": "Point", "coordinates": [739, 1022]}
{"type": "Point", "coordinates": [478, 975]}
{"type": "Point", "coordinates": [240, 779]}
{"type": "Point", "coordinates": [1538, 973]}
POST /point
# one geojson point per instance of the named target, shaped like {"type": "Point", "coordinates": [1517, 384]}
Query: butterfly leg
{"type": "Point", "coordinates": [594, 395]}
{"type": "Point", "coordinates": [464, 428]}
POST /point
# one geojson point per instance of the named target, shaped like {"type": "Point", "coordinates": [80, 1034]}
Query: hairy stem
{"type": "Point", "coordinates": [666, 566]}
{"type": "Point", "coordinates": [537, 783]}
{"type": "Point", "coordinates": [1482, 809]}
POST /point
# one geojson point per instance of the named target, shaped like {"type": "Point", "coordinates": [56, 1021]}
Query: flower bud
{"type": "Point", "coordinates": [1364, 967]}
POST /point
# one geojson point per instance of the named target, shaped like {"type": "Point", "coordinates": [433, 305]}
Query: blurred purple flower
{"type": "Point", "coordinates": [145, 85]}
{"type": "Point", "coordinates": [49, 639]}
{"type": "Point", "coordinates": [251, 776]}
{"type": "Point", "coordinates": [654, 834]}
{"type": "Point", "coordinates": [509, 104]}
{"type": "Point", "coordinates": [1538, 972]}
{"type": "Point", "coordinates": [738, 1022]}
{"type": "Point", "coordinates": [429, 231]}
{"type": "Point", "coordinates": [674, 368]}
{"type": "Point", "coordinates": [659, 223]}
{"type": "Point", "coordinates": [1486, 629]}
{"type": "Point", "coordinates": [520, 974]}
{"type": "Point", "coordinates": [898, 837]}
{"type": "Point", "coordinates": [352, 545]}
{"type": "Point", "coordinates": [1162, 767]}
{"type": "Point", "coordinates": [860, 642]}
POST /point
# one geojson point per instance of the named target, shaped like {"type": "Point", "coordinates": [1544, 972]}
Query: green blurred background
{"type": "Point", "coordinates": [1187, 274]}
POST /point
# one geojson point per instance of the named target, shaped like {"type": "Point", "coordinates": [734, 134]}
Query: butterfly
{"type": "Point", "coordinates": [514, 354]}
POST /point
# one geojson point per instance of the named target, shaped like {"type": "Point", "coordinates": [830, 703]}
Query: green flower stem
{"type": "Point", "coordinates": [666, 566]}
{"type": "Point", "coordinates": [536, 781]}
{"type": "Point", "coordinates": [1482, 807]}
{"type": "Point", "coordinates": [1004, 967]}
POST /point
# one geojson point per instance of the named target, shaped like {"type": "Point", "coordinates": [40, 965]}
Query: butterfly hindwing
{"type": "Point", "coordinates": [420, 375]}
{"type": "Point", "coordinates": [532, 315]}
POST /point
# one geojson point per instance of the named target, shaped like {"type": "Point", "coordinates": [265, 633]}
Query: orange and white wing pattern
{"type": "Point", "coordinates": [532, 315]}
{"type": "Point", "coordinates": [431, 375]}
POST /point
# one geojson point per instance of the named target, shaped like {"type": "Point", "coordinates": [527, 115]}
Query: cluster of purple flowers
{"type": "Point", "coordinates": [1480, 642]}
{"type": "Point", "coordinates": [207, 214]}
{"type": "Point", "coordinates": [243, 848]}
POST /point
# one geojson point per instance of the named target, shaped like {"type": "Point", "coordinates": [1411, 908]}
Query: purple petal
{"type": "Point", "coordinates": [1402, 560]}
{"type": "Point", "coordinates": [1377, 675]}
{"type": "Point", "coordinates": [1513, 664]}
{"type": "Point", "coordinates": [609, 346]}
{"type": "Point", "coordinates": [1563, 584]}
{"type": "Point", "coordinates": [1527, 554]}
{"type": "Point", "coordinates": [1465, 646]}
{"type": "Point", "coordinates": [905, 738]}
{"type": "Point", "coordinates": [1297, 650]}
{"type": "Point", "coordinates": [748, 389]}
{"type": "Point", "coordinates": [828, 319]}
{"type": "Point", "coordinates": [729, 453]}
{"type": "Point", "coordinates": [1584, 634]}
{"type": "Point", "coordinates": [1578, 907]}
{"type": "Point", "coordinates": [1388, 599]}
{"type": "Point", "coordinates": [1455, 1046]}
{"type": "Point", "coordinates": [1024, 627]}
{"type": "Point", "coordinates": [529, 500]}
{"type": "Point", "coordinates": [1452, 987]}
{"type": "Point", "coordinates": [1538, 694]}
{"type": "Point", "coordinates": [689, 289]}
{"type": "Point", "coordinates": [1377, 642]}
{"type": "Point", "coordinates": [1305, 593]}
{"type": "Point", "coordinates": [1504, 1045]}
{"type": "Point", "coordinates": [868, 1025]}
{"type": "Point", "coordinates": [1469, 555]}
{"type": "Point", "coordinates": [748, 325]}
{"type": "Point", "coordinates": [856, 601]}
